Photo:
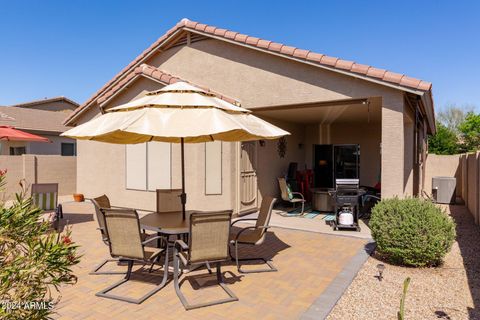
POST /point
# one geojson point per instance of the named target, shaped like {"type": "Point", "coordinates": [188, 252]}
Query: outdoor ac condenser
{"type": "Point", "coordinates": [443, 189]}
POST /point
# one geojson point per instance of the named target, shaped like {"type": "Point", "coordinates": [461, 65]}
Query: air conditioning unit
{"type": "Point", "coordinates": [443, 189]}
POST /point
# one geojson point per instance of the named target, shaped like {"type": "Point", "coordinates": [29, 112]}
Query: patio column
{"type": "Point", "coordinates": [393, 151]}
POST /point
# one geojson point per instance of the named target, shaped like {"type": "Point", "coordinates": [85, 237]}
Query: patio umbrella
{"type": "Point", "coordinates": [11, 134]}
{"type": "Point", "coordinates": [179, 113]}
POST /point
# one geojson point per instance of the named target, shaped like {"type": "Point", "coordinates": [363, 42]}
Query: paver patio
{"type": "Point", "coordinates": [308, 262]}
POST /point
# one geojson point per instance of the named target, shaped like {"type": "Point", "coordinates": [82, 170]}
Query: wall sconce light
{"type": "Point", "coordinates": [262, 143]}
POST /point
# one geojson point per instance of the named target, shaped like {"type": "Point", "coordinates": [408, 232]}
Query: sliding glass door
{"type": "Point", "coordinates": [347, 161]}
{"type": "Point", "coordinates": [335, 161]}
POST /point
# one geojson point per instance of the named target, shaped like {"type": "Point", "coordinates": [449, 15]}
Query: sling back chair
{"type": "Point", "coordinates": [168, 200]}
{"type": "Point", "coordinates": [289, 196]}
{"type": "Point", "coordinates": [100, 203]}
{"type": "Point", "coordinates": [125, 242]}
{"type": "Point", "coordinates": [45, 197]}
{"type": "Point", "coordinates": [254, 235]}
{"type": "Point", "coordinates": [208, 242]}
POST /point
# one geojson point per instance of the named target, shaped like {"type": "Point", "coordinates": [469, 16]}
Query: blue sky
{"type": "Point", "coordinates": [71, 48]}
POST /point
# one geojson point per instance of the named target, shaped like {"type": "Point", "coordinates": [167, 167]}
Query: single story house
{"type": "Point", "coordinates": [346, 120]}
{"type": "Point", "coordinates": [41, 117]}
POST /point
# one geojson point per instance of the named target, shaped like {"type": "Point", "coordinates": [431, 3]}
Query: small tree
{"type": "Point", "coordinates": [452, 116]}
{"type": "Point", "coordinates": [470, 132]}
{"type": "Point", "coordinates": [445, 141]}
{"type": "Point", "coordinates": [33, 260]}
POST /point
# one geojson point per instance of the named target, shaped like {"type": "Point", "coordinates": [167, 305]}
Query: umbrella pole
{"type": "Point", "coordinates": [183, 196]}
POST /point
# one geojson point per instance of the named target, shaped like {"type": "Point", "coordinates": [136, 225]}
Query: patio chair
{"type": "Point", "coordinates": [168, 200]}
{"type": "Point", "coordinates": [254, 235]}
{"type": "Point", "coordinates": [100, 203]}
{"type": "Point", "coordinates": [289, 196]}
{"type": "Point", "coordinates": [208, 242]}
{"type": "Point", "coordinates": [45, 197]}
{"type": "Point", "coordinates": [125, 242]}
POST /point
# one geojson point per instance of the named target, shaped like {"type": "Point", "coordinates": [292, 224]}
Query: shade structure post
{"type": "Point", "coordinates": [183, 196]}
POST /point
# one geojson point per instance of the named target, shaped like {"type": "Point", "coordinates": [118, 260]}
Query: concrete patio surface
{"type": "Point", "coordinates": [317, 224]}
{"type": "Point", "coordinates": [309, 264]}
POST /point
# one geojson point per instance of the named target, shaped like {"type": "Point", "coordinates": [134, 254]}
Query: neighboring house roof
{"type": "Point", "coordinates": [157, 75]}
{"type": "Point", "coordinates": [344, 66]}
{"type": "Point", "coordinates": [33, 119]}
{"type": "Point", "coordinates": [44, 101]}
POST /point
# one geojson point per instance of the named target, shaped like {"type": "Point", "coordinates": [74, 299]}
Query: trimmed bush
{"type": "Point", "coordinates": [411, 232]}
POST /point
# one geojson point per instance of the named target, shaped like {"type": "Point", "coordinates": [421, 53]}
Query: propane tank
{"type": "Point", "coordinates": [345, 217]}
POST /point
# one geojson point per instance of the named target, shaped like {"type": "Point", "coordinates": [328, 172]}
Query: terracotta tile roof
{"type": "Point", "coordinates": [157, 74]}
{"type": "Point", "coordinates": [279, 48]}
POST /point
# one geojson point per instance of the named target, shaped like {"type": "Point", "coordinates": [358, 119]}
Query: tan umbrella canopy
{"type": "Point", "coordinates": [177, 113]}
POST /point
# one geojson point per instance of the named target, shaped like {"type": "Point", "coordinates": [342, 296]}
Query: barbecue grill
{"type": "Point", "coordinates": [346, 195]}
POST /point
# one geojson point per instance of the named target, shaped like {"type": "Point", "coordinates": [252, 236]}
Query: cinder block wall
{"type": "Point", "coordinates": [466, 168]}
{"type": "Point", "coordinates": [443, 166]}
{"type": "Point", "coordinates": [39, 169]}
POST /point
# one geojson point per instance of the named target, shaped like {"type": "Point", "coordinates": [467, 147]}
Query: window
{"type": "Point", "coordinates": [148, 166]}
{"type": "Point", "coordinates": [17, 151]}
{"type": "Point", "coordinates": [68, 149]}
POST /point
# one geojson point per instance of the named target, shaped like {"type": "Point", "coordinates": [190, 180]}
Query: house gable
{"type": "Point", "coordinates": [188, 34]}
{"type": "Point", "coordinates": [50, 104]}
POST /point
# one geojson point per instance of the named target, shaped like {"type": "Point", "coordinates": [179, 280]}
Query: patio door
{"type": "Point", "coordinates": [248, 177]}
{"type": "Point", "coordinates": [335, 161]}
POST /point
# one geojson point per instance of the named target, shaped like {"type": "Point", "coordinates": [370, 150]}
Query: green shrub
{"type": "Point", "coordinates": [34, 261]}
{"type": "Point", "coordinates": [411, 231]}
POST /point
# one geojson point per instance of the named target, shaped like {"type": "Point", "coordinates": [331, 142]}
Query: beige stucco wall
{"type": "Point", "coordinates": [271, 166]}
{"type": "Point", "coordinates": [101, 170]}
{"type": "Point", "coordinates": [53, 148]}
{"type": "Point", "coordinates": [259, 79]}
{"type": "Point", "coordinates": [393, 153]}
{"type": "Point", "coordinates": [39, 169]}
{"type": "Point", "coordinates": [255, 79]}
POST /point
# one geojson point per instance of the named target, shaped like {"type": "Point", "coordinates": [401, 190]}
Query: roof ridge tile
{"type": "Point", "coordinates": [154, 72]}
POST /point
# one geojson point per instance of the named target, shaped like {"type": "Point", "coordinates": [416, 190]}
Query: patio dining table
{"type": "Point", "coordinates": [169, 224]}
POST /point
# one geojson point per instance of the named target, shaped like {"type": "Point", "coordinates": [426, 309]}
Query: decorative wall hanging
{"type": "Point", "coordinates": [282, 147]}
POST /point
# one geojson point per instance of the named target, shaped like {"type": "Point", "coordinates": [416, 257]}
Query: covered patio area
{"type": "Point", "coordinates": [330, 140]}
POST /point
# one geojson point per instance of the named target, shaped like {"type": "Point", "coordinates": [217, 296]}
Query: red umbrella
{"type": "Point", "coordinates": [11, 134]}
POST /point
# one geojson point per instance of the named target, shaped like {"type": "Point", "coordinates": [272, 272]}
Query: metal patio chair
{"type": "Point", "coordinates": [254, 235]}
{"type": "Point", "coordinates": [45, 197]}
{"type": "Point", "coordinates": [100, 203]}
{"type": "Point", "coordinates": [125, 242]}
{"type": "Point", "coordinates": [208, 242]}
{"type": "Point", "coordinates": [289, 196]}
{"type": "Point", "coordinates": [168, 200]}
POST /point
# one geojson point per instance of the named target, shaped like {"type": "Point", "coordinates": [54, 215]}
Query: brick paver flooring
{"type": "Point", "coordinates": [307, 264]}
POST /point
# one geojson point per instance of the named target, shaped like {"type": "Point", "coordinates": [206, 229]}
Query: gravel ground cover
{"type": "Point", "coordinates": [451, 291]}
